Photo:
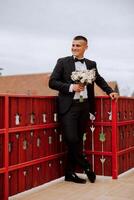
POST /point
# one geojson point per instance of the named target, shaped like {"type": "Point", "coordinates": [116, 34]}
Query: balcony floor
{"type": "Point", "coordinates": [105, 188]}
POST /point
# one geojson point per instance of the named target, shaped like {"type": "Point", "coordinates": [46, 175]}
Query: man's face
{"type": "Point", "coordinates": [78, 48]}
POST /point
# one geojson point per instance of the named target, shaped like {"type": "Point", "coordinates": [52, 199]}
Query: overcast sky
{"type": "Point", "coordinates": [35, 33]}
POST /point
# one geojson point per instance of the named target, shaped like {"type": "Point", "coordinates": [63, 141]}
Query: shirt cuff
{"type": "Point", "coordinates": [71, 88]}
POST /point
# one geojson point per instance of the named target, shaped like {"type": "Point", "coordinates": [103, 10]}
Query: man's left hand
{"type": "Point", "coordinates": [114, 95]}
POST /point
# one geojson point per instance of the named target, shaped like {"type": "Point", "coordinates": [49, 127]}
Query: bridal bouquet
{"type": "Point", "coordinates": [84, 77]}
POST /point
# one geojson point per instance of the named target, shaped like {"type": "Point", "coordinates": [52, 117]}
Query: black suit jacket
{"type": "Point", "coordinates": [60, 80]}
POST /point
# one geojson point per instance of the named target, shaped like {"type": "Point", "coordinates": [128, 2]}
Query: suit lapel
{"type": "Point", "coordinates": [71, 64]}
{"type": "Point", "coordinates": [88, 64]}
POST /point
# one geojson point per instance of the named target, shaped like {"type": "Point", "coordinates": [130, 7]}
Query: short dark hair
{"type": "Point", "coordinates": [80, 37]}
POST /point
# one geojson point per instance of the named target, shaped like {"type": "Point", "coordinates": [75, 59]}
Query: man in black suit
{"type": "Point", "coordinates": [74, 114]}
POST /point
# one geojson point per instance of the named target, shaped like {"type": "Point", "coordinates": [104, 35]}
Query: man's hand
{"type": "Point", "coordinates": [114, 95]}
{"type": "Point", "coordinates": [78, 87]}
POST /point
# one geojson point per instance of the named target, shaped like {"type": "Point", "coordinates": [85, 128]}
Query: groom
{"type": "Point", "coordinates": [74, 114]}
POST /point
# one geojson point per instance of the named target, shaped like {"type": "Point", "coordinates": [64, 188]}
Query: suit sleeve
{"type": "Point", "coordinates": [56, 80]}
{"type": "Point", "coordinates": [102, 83]}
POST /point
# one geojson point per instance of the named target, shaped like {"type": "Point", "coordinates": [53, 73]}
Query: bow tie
{"type": "Point", "coordinates": [79, 60]}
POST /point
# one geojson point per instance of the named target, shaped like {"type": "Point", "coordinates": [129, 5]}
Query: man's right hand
{"type": "Point", "coordinates": [78, 87]}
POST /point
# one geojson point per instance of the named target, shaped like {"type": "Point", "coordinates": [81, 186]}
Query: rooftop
{"type": "Point", "coordinates": [36, 84]}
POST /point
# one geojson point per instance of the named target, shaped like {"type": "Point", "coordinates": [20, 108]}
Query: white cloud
{"type": "Point", "coordinates": [24, 53]}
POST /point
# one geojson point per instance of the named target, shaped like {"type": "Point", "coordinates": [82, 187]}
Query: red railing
{"type": "Point", "coordinates": [109, 141]}
{"type": "Point", "coordinates": [32, 151]}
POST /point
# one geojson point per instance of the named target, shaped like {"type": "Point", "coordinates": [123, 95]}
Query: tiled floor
{"type": "Point", "coordinates": [103, 189]}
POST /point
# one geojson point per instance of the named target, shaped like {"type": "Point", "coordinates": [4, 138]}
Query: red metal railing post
{"type": "Point", "coordinates": [114, 141]}
{"type": "Point", "coordinates": [6, 193]}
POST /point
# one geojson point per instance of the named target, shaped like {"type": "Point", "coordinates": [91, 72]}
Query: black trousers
{"type": "Point", "coordinates": [74, 124]}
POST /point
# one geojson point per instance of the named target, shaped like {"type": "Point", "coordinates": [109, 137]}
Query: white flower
{"type": "Point", "coordinates": [85, 76]}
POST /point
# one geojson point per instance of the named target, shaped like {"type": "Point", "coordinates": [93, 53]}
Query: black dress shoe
{"type": "Point", "coordinates": [74, 178]}
{"type": "Point", "coordinates": [91, 175]}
